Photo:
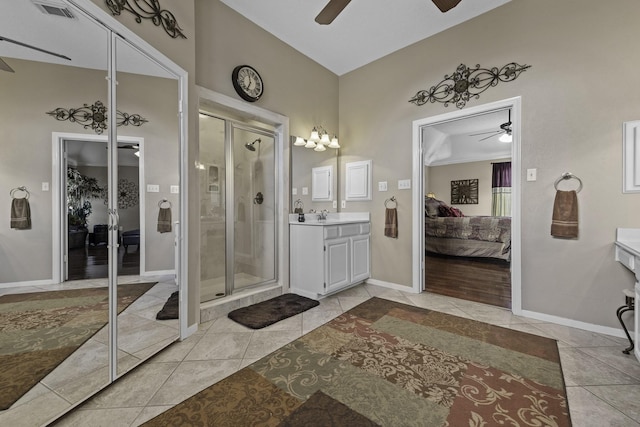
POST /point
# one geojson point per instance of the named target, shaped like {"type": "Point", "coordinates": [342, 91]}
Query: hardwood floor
{"type": "Point", "coordinates": [91, 262]}
{"type": "Point", "coordinates": [482, 280]}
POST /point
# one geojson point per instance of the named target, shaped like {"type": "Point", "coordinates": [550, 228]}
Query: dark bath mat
{"type": "Point", "coordinates": [170, 308]}
{"type": "Point", "coordinates": [268, 312]}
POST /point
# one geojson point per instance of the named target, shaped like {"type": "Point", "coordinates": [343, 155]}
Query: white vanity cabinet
{"type": "Point", "coordinates": [328, 256]}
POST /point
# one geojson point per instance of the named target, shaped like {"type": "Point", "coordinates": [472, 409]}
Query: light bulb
{"type": "Point", "coordinates": [506, 137]}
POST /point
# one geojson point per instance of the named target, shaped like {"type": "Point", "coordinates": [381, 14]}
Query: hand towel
{"type": "Point", "coordinates": [564, 222]}
{"type": "Point", "coordinates": [391, 222]}
{"type": "Point", "coordinates": [164, 220]}
{"type": "Point", "coordinates": [20, 214]}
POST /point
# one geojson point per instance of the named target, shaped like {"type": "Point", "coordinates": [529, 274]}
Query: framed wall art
{"type": "Point", "coordinates": [464, 192]}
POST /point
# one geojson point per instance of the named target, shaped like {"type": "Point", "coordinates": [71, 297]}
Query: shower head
{"type": "Point", "coordinates": [249, 145]}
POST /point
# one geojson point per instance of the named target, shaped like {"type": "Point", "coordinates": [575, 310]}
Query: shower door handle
{"type": "Point", "coordinates": [258, 199]}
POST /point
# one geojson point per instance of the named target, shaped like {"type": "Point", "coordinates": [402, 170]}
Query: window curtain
{"type": "Point", "coordinates": [501, 189]}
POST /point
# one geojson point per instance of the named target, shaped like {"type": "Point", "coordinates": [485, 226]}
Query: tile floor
{"type": "Point", "coordinates": [603, 384]}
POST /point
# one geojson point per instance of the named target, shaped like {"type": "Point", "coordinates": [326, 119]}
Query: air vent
{"type": "Point", "coordinates": [55, 9]}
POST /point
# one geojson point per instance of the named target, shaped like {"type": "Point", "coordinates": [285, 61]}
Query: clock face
{"type": "Point", "coordinates": [247, 82]}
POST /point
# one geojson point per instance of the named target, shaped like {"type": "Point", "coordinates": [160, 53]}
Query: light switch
{"type": "Point", "coordinates": [174, 189]}
{"type": "Point", "coordinates": [294, 191]}
{"type": "Point", "coordinates": [152, 188]}
{"type": "Point", "coordinates": [382, 186]}
{"type": "Point", "coordinates": [532, 174]}
{"type": "Point", "coordinates": [344, 204]}
{"type": "Point", "coordinates": [45, 186]}
{"type": "Point", "coordinates": [404, 184]}
{"type": "Point", "coordinates": [305, 191]}
{"type": "Point", "coordinates": [335, 204]}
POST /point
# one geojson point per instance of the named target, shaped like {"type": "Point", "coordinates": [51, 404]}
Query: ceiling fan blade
{"type": "Point", "coordinates": [2, 38]}
{"type": "Point", "coordinates": [495, 132]}
{"type": "Point", "coordinates": [490, 136]}
{"type": "Point", "coordinates": [331, 10]}
{"type": "Point", "coordinates": [5, 67]}
{"type": "Point", "coordinates": [445, 5]}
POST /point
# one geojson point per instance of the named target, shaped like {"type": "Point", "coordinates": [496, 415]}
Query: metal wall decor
{"type": "Point", "coordinates": [128, 194]}
{"type": "Point", "coordinates": [148, 9]}
{"type": "Point", "coordinates": [464, 192]}
{"type": "Point", "coordinates": [95, 117]}
{"type": "Point", "coordinates": [467, 83]}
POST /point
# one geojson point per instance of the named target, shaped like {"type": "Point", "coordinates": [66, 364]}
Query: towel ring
{"type": "Point", "coordinates": [393, 200]}
{"type": "Point", "coordinates": [568, 175]}
{"type": "Point", "coordinates": [163, 201]}
{"type": "Point", "coordinates": [13, 192]}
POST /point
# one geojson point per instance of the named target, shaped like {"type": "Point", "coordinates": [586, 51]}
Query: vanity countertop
{"type": "Point", "coordinates": [333, 218]}
{"type": "Point", "coordinates": [629, 239]}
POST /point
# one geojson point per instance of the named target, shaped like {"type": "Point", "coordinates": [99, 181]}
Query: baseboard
{"type": "Point", "coordinates": [304, 293]}
{"type": "Point", "coordinates": [391, 285]}
{"type": "Point", "coordinates": [27, 283]}
{"type": "Point", "coordinates": [190, 331]}
{"type": "Point", "coordinates": [158, 273]}
{"type": "Point", "coordinates": [574, 323]}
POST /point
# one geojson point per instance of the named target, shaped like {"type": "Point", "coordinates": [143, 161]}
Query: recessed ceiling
{"type": "Point", "coordinates": [366, 30]}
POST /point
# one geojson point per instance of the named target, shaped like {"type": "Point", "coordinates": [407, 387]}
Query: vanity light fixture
{"type": "Point", "coordinates": [319, 140]}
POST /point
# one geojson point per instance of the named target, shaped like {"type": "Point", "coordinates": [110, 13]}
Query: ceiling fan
{"type": "Point", "coordinates": [504, 131]}
{"type": "Point", "coordinates": [334, 7]}
{"type": "Point", "coordinates": [5, 67]}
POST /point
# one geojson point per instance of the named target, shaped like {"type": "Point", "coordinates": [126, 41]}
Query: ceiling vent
{"type": "Point", "coordinates": [55, 9]}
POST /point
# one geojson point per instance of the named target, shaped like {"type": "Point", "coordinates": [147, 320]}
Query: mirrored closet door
{"type": "Point", "coordinates": [91, 140]}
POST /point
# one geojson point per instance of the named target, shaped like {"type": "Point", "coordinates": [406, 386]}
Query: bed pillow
{"type": "Point", "coordinates": [449, 211]}
{"type": "Point", "coordinates": [431, 206]}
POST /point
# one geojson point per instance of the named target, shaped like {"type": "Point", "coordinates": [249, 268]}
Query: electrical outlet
{"type": "Point", "coordinates": [153, 188]}
{"type": "Point", "coordinates": [174, 189]}
{"type": "Point", "coordinates": [382, 186]}
{"type": "Point", "coordinates": [45, 186]}
{"type": "Point", "coordinates": [294, 191]}
{"type": "Point", "coordinates": [335, 204]}
{"type": "Point", "coordinates": [305, 191]}
{"type": "Point", "coordinates": [344, 204]}
{"type": "Point", "coordinates": [532, 174]}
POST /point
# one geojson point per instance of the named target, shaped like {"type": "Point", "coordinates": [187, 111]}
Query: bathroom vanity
{"type": "Point", "coordinates": [329, 255]}
{"type": "Point", "coordinates": [628, 254]}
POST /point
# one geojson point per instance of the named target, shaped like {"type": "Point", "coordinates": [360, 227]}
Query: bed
{"type": "Point", "coordinates": [468, 236]}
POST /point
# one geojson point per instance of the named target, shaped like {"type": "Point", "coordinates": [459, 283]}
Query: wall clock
{"type": "Point", "coordinates": [247, 82]}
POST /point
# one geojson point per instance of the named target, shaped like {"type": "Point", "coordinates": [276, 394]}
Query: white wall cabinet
{"type": "Point", "coordinates": [328, 258]}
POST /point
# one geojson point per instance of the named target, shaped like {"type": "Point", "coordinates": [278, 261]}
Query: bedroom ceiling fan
{"type": "Point", "coordinates": [334, 7]}
{"type": "Point", "coordinates": [504, 131]}
{"type": "Point", "coordinates": [5, 67]}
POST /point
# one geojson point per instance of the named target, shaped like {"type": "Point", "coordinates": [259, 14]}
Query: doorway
{"type": "Point", "coordinates": [423, 151]}
{"type": "Point", "coordinates": [237, 206]}
{"type": "Point", "coordinates": [82, 250]}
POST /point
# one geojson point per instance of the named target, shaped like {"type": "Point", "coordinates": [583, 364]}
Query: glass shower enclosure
{"type": "Point", "coordinates": [237, 206]}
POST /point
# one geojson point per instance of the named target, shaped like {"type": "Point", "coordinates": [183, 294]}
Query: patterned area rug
{"type": "Point", "coordinates": [265, 313]}
{"type": "Point", "coordinates": [386, 363]}
{"type": "Point", "coordinates": [39, 330]}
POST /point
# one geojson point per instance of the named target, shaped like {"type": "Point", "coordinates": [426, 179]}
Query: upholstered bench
{"type": "Point", "coordinates": [131, 237]}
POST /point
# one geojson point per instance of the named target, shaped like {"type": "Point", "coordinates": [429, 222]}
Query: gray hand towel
{"type": "Point", "coordinates": [164, 220]}
{"type": "Point", "coordinates": [20, 214]}
{"type": "Point", "coordinates": [391, 222]}
{"type": "Point", "coordinates": [564, 222]}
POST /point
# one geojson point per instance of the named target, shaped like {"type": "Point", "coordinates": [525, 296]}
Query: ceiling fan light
{"type": "Point", "coordinates": [506, 137]}
{"type": "Point", "coordinates": [300, 142]}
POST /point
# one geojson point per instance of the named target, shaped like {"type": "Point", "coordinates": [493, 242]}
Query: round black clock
{"type": "Point", "coordinates": [247, 82]}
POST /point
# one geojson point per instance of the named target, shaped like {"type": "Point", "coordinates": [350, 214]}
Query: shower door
{"type": "Point", "coordinates": [237, 206]}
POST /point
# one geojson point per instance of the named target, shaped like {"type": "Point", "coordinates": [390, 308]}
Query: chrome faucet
{"type": "Point", "coordinates": [323, 215]}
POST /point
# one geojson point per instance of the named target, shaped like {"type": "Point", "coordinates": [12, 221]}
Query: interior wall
{"type": "Point", "coordinates": [575, 98]}
{"type": "Point", "coordinates": [438, 181]}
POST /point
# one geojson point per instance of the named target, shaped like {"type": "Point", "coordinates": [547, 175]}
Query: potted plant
{"type": "Point", "coordinates": [80, 190]}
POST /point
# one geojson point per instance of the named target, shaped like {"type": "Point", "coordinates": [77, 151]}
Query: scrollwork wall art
{"type": "Point", "coordinates": [95, 117]}
{"type": "Point", "coordinates": [148, 9]}
{"type": "Point", "coordinates": [467, 83]}
{"type": "Point", "coordinates": [127, 194]}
